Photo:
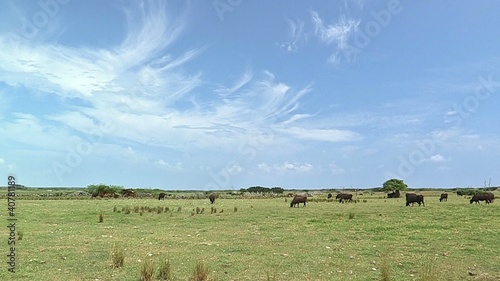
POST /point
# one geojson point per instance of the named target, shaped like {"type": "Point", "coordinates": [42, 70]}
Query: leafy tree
{"type": "Point", "coordinates": [277, 190]}
{"type": "Point", "coordinates": [394, 184]}
{"type": "Point", "coordinates": [102, 189]}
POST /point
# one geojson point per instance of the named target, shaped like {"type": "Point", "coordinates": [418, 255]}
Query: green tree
{"type": "Point", "coordinates": [394, 184]}
{"type": "Point", "coordinates": [100, 190]}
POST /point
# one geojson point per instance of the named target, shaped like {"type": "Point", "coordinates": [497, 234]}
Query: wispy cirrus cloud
{"type": "Point", "coordinates": [336, 34]}
{"type": "Point", "coordinates": [297, 35]}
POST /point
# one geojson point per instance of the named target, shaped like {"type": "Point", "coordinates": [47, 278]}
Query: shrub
{"type": "Point", "coordinates": [114, 209]}
{"type": "Point", "coordinates": [101, 218]}
{"type": "Point", "coordinates": [351, 216]}
{"type": "Point", "coordinates": [117, 257]}
{"type": "Point", "coordinates": [235, 209]}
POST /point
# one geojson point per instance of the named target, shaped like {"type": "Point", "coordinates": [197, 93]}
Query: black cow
{"type": "Point", "coordinates": [330, 195]}
{"type": "Point", "coordinates": [487, 197]}
{"type": "Point", "coordinates": [444, 197]}
{"type": "Point", "coordinates": [394, 194]}
{"type": "Point", "coordinates": [414, 198]}
{"type": "Point", "coordinates": [161, 196]}
{"type": "Point", "coordinates": [460, 193]}
{"type": "Point", "coordinates": [297, 200]}
{"type": "Point", "coordinates": [212, 198]}
{"type": "Point", "coordinates": [344, 197]}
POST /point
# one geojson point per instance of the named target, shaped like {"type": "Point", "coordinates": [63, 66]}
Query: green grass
{"type": "Point", "coordinates": [264, 240]}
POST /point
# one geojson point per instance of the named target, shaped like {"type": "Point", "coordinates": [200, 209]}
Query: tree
{"type": "Point", "coordinates": [394, 184]}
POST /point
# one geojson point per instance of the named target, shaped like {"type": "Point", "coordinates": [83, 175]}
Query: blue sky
{"type": "Point", "coordinates": [230, 94]}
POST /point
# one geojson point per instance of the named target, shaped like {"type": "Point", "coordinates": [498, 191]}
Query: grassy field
{"type": "Point", "coordinates": [259, 239]}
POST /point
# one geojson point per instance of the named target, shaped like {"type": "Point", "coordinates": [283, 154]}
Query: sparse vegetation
{"type": "Point", "coordinates": [320, 236]}
{"type": "Point", "coordinates": [117, 256]}
{"type": "Point", "coordinates": [147, 270]}
{"type": "Point", "coordinates": [164, 270]}
{"type": "Point", "coordinates": [200, 272]}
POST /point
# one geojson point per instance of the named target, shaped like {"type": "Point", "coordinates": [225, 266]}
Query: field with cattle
{"type": "Point", "coordinates": [372, 238]}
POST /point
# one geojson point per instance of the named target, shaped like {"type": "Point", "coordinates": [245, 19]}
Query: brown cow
{"type": "Point", "coordinates": [414, 198]}
{"type": "Point", "coordinates": [161, 196]}
{"type": "Point", "coordinates": [444, 197]}
{"type": "Point", "coordinates": [297, 200]}
{"type": "Point", "coordinates": [344, 197]}
{"type": "Point", "coordinates": [212, 198]}
{"type": "Point", "coordinates": [394, 194]}
{"type": "Point", "coordinates": [487, 197]}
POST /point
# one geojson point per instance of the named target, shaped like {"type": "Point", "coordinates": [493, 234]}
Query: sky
{"type": "Point", "coordinates": [228, 94]}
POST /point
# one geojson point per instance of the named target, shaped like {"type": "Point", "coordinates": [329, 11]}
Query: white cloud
{"type": "Point", "coordinates": [328, 135]}
{"type": "Point", "coordinates": [296, 35]}
{"type": "Point", "coordinates": [286, 167]}
{"type": "Point", "coordinates": [167, 166]}
{"type": "Point", "coordinates": [437, 158]}
{"type": "Point", "coordinates": [337, 34]}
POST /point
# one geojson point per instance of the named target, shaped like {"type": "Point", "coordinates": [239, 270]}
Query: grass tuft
{"type": "Point", "coordinates": [117, 257]}
{"type": "Point", "coordinates": [164, 271]}
{"type": "Point", "coordinates": [428, 272]}
{"type": "Point", "coordinates": [200, 272]}
{"type": "Point", "coordinates": [20, 235]}
{"type": "Point", "coordinates": [385, 269]}
{"type": "Point", "coordinates": [101, 218]}
{"type": "Point", "coordinates": [147, 270]}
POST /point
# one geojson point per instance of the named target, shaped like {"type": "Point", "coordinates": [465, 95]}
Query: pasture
{"type": "Point", "coordinates": [259, 239]}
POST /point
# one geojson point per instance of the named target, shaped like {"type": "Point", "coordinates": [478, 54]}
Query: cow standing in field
{"type": "Point", "coordinates": [414, 198]}
{"type": "Point", "coordinates": [330, 195]}
{"type": "Point", "coordinates": [212, 198]}
{"type": "Point", "coordinates": [487, 197]}
{"type": "Point", "coordinates": [161, 196]}
{"type": "Point", "coordinates": [297, 200]}
{"type": "Point", "coordinates": [394, 194]}
{"type": "Point", "coordinates": [460, 193]}
{"type": "Point", "coordinates": [444, 197]}
{"type": "Point", "coordinates": [344, 197]}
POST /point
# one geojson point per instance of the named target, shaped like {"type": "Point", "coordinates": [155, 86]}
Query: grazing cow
{"type": "Point", "coordinates": [330, 195]}
{"type": "Point", "coordinates": [394, 194]}
{"type": "Point", "coordinates": [297, 200]}
{"type": "Point", "coordinates": [212, 198]}
{"type": "Point", "coordinates": [344, 197]}
{"type": "Point", "coordinates": [487, 197]}
{"type": "Point", "coordinates": [161, 196]}
{"type": "Point", "coordinates": [444, 197]}
{"type": "Point", "coordinates": [414, 198]}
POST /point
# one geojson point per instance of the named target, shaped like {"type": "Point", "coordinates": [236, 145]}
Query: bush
{"type": "Point", "coordinates": [101, 190]}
